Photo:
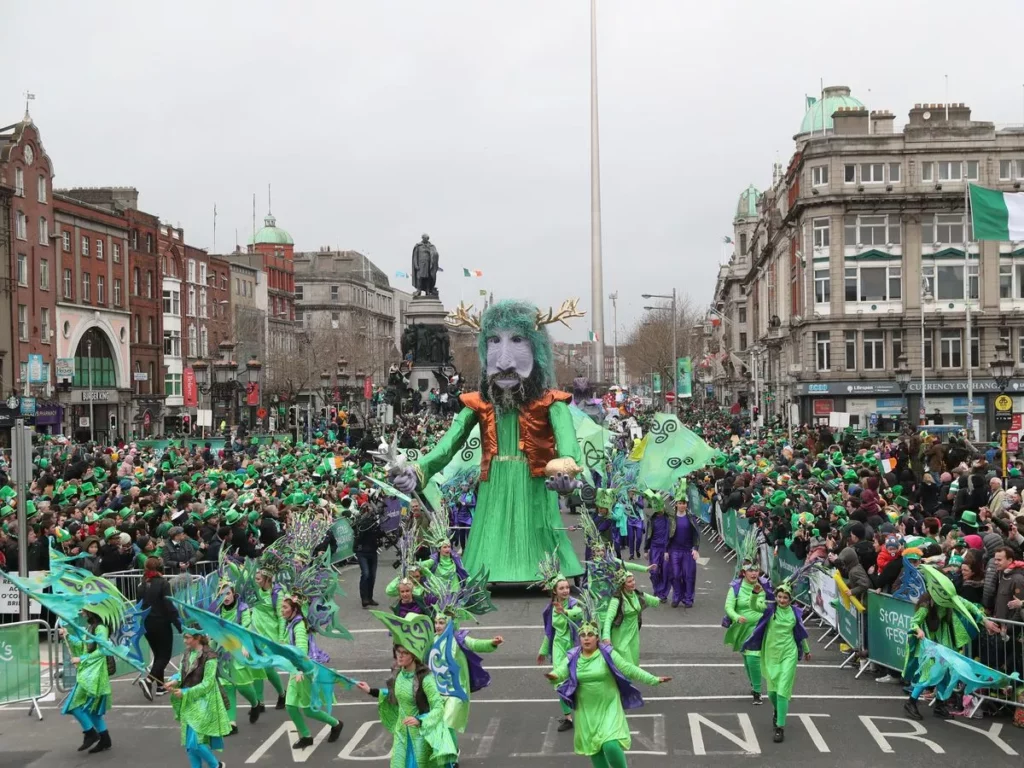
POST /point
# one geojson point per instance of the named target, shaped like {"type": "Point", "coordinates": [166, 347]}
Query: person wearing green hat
{"type": "Point", "coordinates": [198, 703]}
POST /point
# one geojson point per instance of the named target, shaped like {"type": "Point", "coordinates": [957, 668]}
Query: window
{"type": "Point", "coordinates": [849, 174]}
{"type": "Point", "coordinates": [136, 329]}
{"type": "Point", "coordinates": [927, 172]}
{"type": "Point", "coordinates": [65, 239]}
{"type": "Point", "coordinates": [149, 284]}
{"type": "Point", "coordinates": [22, 322]}
{"type": "Point", "coordinates": [203, 312]}
{"type": "Point", "coordinates": [947, 280]}
{"type": "Point", "coordinates": [86, 287]}
{"type": "Point", "coordinates": [1019, 269]}
{"type": "Point", "coordinates": [1005, 280]}
{"type": "Point", "coordinates": [172, 343]}
{"type": "Point", "coordinates": [821, 233]}
{"type": "Point", "coordinates": [68, 278]}
{"type": "Point", "coordinates": [117, 292]}
{"type": "Point", "coordinates": [116, 252]}
{"type": "Point", "coordinates": [21, 226]}
{"type": "Point", "coordinates": [44, 231]}
{"type": "Point", "coordinates": [204, 339]}
{"type": "Point", "coordinates": [23, 270]}
{"type": "Point", "coordinates": [894, 173]}
{"type": "Point", "coordinates": [99, 248]}
{"type": "Point", "coordinates": [335, 320]}
{"type": "Point", "coordinates": [944, 228]}
{"type": "Point", "coordinates": [149, 330]}
{"type": "Point", "coordinates": [872, 173]}
{"type": "Point", "coordinates": [202, 274]}
{"type": "Point", "coordinates": [741, 314]}
{"type": "Point", "coordinates": [975, 346]}
{"type": "Point", "coordinates": [972, 170]}
{"type": "Point", "coordinates": [743, 244]}
{"type": "Point", "coordinates": [44, 325]}
{"type": "Point", "coordinates": [878, 231]}
{"type": "Point", "coordinates": [1004, 338]}
{"type": "Point", "coordinates": [306, 317]}
{"type": "Point", "coordinates": [950, 348]}
{"type": "Point", "coordinates": [135, 281]}
{"type": "Point", "coordinates": [874, 350]}
{"type": "Point", "coordinates": [19, 182]}
{"type": "Point", "coordinates": [822, 286]}
{"type": "Point", "coordinates": [193, 342]}
{"type": "Point", "coordinates": [822, 350]}
{"type": "Point", "coordinates": [897, 346]}
{"type": "Point", "coordinates": [1005, 170]}
{"type": "Point", "coordinates": [134, 240]}
{"type": "Point", "coordinates": [101, 295]}
{"type": "Point", "coordinates": [172, 302]}
{"type": "Point", "coordinates": [851, 350]}
{"type": "Point", "coordinates": [191, 305]}
{"type": "Point", "coordinates": [85, 245]}
{"type": "Point", "coordinates": [928, 361]}
{"type": "Point", "coordinates": [819, 175]}
{"type": "Point", "coordinates": [44, 274]}
{"type": "Point", "coordinates": [972, 281]}
{"type": "Point", "coordinates": [172, 384]}
{"type": "Point", "coordinates": [950, 170]}
{"type": "Point", "coordinates": [298, 296]}
{"type": "Point", "coordinates": [334, 293]}
{"type": "Point", "coordinates": [149, 243]}
{"type": "Point", "coordinates": [191, 270]}
{"type": "Point", "coordinates": [882, 283]}
{"type": "Point", "coordinates": [743, 341]}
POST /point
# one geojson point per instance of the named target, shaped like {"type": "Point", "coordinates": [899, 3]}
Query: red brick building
{"type": "Point", "coordinates": [30, 307]}
{"type": "Point", "coordinates": [218, 291]}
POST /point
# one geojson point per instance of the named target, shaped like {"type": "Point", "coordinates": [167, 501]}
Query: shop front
{"type": "Point", "coordinates": [49, 418]}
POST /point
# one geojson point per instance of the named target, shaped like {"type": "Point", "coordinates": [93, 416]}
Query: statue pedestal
{"type": "Point", "coordinates": [428, 342]}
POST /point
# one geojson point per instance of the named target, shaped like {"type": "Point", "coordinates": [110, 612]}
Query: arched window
{"type": "Point", "coordinates": [135, 282]}
{"type": "Point", "coordinates": [94, 361]}
{"type": "Point", "coordinates": [204, 338]}
{"type": "Point", "coordinates": [193, 350]}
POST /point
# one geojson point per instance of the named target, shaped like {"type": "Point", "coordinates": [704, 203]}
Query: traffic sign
{"type": "Point", "coordinates": [261, 413]}
{"type": "Point", "coordinates": [670, 397]}
{"type": "Point", "coordinates": [1004, 411]}
{"type": "Point", "coordinates": [1004, 403]}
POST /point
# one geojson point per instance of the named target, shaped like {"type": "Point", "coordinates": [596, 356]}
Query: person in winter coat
{"type": "Point", "coordinates": [90, 559]}
{"type": "Point", "coordinates": [856, 577]}
{"type": "Point", "coordinates": [154, 594]}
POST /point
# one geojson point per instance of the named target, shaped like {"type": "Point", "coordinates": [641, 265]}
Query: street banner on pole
{"type": "Point", "coordinates": [684, 377]}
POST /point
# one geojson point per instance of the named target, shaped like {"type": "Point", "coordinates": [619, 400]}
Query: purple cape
{"type": "Point", "coordinates": [628, 694]}
{"type": "Point", "coordinates": [549, 627]}
{"type": "Point", "coordinates": [479, 677]}
{"type": "Point", "coordinates": [799, 633]}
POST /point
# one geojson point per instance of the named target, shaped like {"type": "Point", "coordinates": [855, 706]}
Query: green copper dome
{"type": "Point", "coordinates": [835, 96]}
{"type": "Point", "coordinates": [747, 205]}
{"type": "Point", "coordinates": [271, 234]}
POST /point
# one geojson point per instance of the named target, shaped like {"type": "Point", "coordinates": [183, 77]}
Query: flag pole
{"type": "Point", "coordinates": [967, 303]}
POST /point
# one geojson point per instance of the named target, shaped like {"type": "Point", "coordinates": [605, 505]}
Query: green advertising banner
{"type": "Point", "coordinates": [888, 621]}
{"type": "Point", "coordinates": [787, 564]}
{"type": "Point", "coordinates": [684, 377]}
{"type": "Point", "coordinates": [20, 672]}
{"type": "Point", "coordinates": [656, 383]}
{"type": "Point", "coordinates": [848, 620]}
{"type": "Point", "coordinates": [343, 535]}
{"type": "Point", "coordinates": [729, 529]}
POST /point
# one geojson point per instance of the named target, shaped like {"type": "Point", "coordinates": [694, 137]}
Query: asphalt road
{"type": "Point", "coordinates": [704, 716]}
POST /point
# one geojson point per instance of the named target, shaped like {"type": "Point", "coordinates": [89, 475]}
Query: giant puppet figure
{"type": "Point", "coordinates": [526, 434]}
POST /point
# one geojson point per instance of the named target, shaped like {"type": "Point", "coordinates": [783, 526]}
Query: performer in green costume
{"type": "Point", "coordinates": [198, 702]}
{"type": "Point", "coordinates": [526, 431]}
{"type": "Point", "coordinates": [89, 700]}
{"type": "Point", "coordinates": [624, 616]}
{"type": "Point", "coordinates": [596, 682]}
{"type": "Point", "coordinates": [299, 698]}
{"type": "Point", "coordinates": [267, 620]}
{"type": "Point", "coordinates": [745, 603]}
{"type": "Point", "coordinates": [561, 617]}
{"type": "Point", "coordinates": [409, 706]}
{"type": "Point", "coordinates": [238, 678]}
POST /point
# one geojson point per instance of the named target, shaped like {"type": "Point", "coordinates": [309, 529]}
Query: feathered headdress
{"type": "Point", "coordinates": [435, 534]}
{"type": "Point", "coordinates": [590, 606]}
{"type": "Point", "coordinates": [749, 559]}
{"type": "Point", "coordinates": [457, 599]}
{"type": "Point", "coordinates": [550, 570]}
{"type": "Point", "coordinates": [590, 533]}
{"type": "Point", "coordinates": [407, 561]}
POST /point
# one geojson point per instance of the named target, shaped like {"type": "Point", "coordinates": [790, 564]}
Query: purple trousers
{"type": "Point", "coordinates": [658, 577]}
{"type": "Point", "coordinates": [682, 576]}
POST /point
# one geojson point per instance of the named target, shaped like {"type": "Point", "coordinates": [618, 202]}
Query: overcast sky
{"type": "Point", "coordinates": [376, 121]}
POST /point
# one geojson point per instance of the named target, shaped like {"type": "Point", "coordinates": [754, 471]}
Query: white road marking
{"type": "Point", "coordinates": [747, 742]}
{"type": "Point", "coordinates": [538, 628]}
{"type": "Point", "coordinates": [812, 730]}
{"type": "Point", "coordinates": [882, 737]}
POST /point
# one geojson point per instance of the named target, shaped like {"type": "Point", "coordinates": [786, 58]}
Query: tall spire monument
{"type": "Point", "coordinates": [596, 267]}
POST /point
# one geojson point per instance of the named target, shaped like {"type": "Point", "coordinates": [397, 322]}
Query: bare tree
{"type": "Point", "coordinates": [648, 347]}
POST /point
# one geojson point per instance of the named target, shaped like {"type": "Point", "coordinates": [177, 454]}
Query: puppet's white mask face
{"type": "Point", "coordinates": [509, 359]}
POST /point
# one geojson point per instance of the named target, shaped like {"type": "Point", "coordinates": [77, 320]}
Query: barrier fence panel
{"type": "Point", "coordinates": [888, 621]}
{"type": "Point", "coordinates": [22, 672]}
{"type": "Point", "coordinates": [1004, 653]}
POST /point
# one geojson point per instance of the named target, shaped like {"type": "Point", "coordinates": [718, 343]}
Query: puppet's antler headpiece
{"type": "Point", "coordinates": [566, 311]}
{"type": "Point", "coordinates": [461, 317]}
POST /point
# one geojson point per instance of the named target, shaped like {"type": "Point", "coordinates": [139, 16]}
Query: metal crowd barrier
{"type": "Point", "coordinates": [1004, 653]}
{"type": "Point", "coordinates": [21, 672]}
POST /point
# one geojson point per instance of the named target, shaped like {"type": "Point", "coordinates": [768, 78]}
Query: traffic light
{"type": "Point", "coordinates": [291, 417]}
{"type": "Point", "coordinates": [113, 422]}
{"type": "Point", "coordinates": [757, 413]}
{"type": "Point", "coordinates": [186, 424]}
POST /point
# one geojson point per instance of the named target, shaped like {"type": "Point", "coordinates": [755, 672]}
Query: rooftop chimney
{"type": "Point", "coordinates": [850, 121]}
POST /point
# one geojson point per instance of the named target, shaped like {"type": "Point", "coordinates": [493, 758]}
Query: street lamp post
{"type": "Point", "coordinates": [1002, 372]}
{"type": "Point", "coordinates": [201, 368]}
{"type": "Point", "coordinates": [253, 367]}
{"type": "Point", "coordinates": [92, 425]}
{"type": "Point", "coordinates": [675, 358]}
{"type": "Point", "coordinates": [903, 375]}
{"type": "Point", "coordinates": [926, 296]}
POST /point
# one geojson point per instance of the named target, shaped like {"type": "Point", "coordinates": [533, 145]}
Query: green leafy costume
{"type": "Point", "coordinates": [429, 745]}
{"type": "Point", "coordinates": [750, 606]}
{"type": "Point", "coordinates": [239, 678]}
{"type": "Point", "coordinates": [267, 621]}
{"type": "Point", "coordinates": [299, 698]}
{"type": "Point", "coordinates": [92, 683]}
{"type": "Point", "coordinates": [625, 637]}
{"type": "Point", "coordinates": [201, 707]}
{"type": "Point", "coordinates": [456, 711]}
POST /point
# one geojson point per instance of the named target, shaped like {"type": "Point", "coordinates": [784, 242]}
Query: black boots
{"type": "Point", "coordinates": [89, 738]}
{"type": "Point", "coordinates": [941, 711]}
{"type": "Point", "coordinates": [304, 742]}
{"type": "Point", "coordinates": [280, 702]}
{"type": "Point", "coordinates": [780, 735]}
{"type": "Point", "coordinates": [103, 744]}
{"type": "Point", "coordinates": [565, 725]}
{"type": "Point", "coordinates": [910, 707]}
{"type": "Point", "coordinates": [335, 732]}
{"type": "Point", "coordinates": [757, 697]}
{"type": "Point", "coordinates": [255, 712]}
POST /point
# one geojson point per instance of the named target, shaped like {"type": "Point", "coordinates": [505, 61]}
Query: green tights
{"type": "Point", "coordinates": [275, 683]}
{"type": "Point", "coordinates": [610, 756]}
{"type": "Point", "coordinates": [296, 713]}
{"type": "Point", "coordinates": [566, 709]}
{"type": "Point", "coordinates": [249, 693]}
{"type": "Point", "coordinates": [752, 664]}
{"type": "Point", "coordinates": [781, 704]}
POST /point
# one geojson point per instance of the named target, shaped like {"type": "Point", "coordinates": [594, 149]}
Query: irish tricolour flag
{"type": "Point", "coordinates": [997, 215]}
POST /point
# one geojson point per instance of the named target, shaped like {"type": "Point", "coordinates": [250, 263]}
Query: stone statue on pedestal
{"type": "Point", "coordinates": [425, 267]}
